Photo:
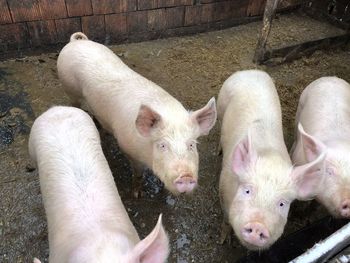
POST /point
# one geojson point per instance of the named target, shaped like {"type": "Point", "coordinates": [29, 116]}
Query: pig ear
{"type": "Point", "coordinates": [312, 147]}
{"type": "Point", "coordinates": [243, 155]}
{"type": "Point", "coordinates": [205, 117]}
{"type": "Point", "coordinates": [154, 248]}
{"type": "Point", "coordinates": [146, 120]}
{"type": "Point", "coordinates": [308, 177]}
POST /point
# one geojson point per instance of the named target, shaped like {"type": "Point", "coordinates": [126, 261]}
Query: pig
{"type": "Point", "coordinates": [323, 118]}
{"type": "Point", "coordinates": [257, 181]}
{"type": "Point", "coordinates": [87, 221]}
{"type": "Point", "coordinates": [151, 126]}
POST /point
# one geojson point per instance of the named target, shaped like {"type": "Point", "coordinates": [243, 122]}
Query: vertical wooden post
{"type": "Point", "coordinates": [270, 10]}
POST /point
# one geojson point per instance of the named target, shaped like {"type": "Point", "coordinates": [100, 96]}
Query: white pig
{"type": "Point", "coordinates": [87, 221]}
{"type": "Point", "coordinates": [324, 113]}
{"type": "Point", "coordinates": [258, 181]}
{"type": "Point", "coordinates": [151, 126]}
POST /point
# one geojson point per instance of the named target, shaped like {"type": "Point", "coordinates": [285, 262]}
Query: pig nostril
{"type": "Point", "coordinates": [262, 236]}
{"type": "Point", "coordinates": [248, 230]}
{"type": "Point", "coordinates": [344, 207]}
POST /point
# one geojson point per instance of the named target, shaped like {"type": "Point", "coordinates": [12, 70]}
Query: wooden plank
{"type": "Point", "coordinates": [51, 9]}
{"type": "Point", "coordinates": [256, 7]}
{"type": "Point", "coordinates": [147, 4]}
{"type": "Point", "coordinates": [338, 15]}
{"type": "Point", "coordinates": [28, 10]}
{"type": "Point", "coordinates": [207, 13]}
{"type": "Point", "coordinates": [156, 19]}
{"type": "Point", "coordinates": [193, 15]}
{"type": "Point", "coordinates": [5, 16]}
{"type": "Point", "coordinates": [170, 3]}
{"type": "Point", "coordinates": [112, 6]}
{"type": "Point", "coordinates": [270, 10]}
{"type": "Point", "coordinates": [137, 21]}
{"type": "Point", "coordinates": [79, 7]}
{"type": "Point", "coordinates": [116, 27]}
{"type": "Point", "coordinates": [175, 16]}
{"type": "Point", "coordinates": [229, 9]}
{"type": "Point", "coordinates": [42, 32]}
{"type": "Point", "coordinates": [14, 36]}
{"type": "Point", "coordinates": [94, 27]}
{"type": "Point", "coordinates": [66, 27]}
{"type": "Point", "coordinates": [290, 53]}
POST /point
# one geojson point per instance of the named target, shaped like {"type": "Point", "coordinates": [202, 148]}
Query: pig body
{"type": "Point", "coordinates": [151, 126]}
{"type": "Point", "coordinates": [257, 181]}
{"type": "Point", "coordinates": [324, 113]}
{"type": "Point", "coordinates": [87, 221]}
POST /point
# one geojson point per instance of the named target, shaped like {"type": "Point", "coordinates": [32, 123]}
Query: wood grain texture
{"type": "Point", "coordinates": [5, 16]}
{"type": "Point", "coordinates": [156, 19]}
{"type": "Point", "coordinates": [112, 6]}
{"type": "Point", "coordinates": [175, 16]}
{"type": "Point", "coordinates": [116, 26]}
{"type": "Point", "coordinates": [66, 27]}
{"type": "Point", "coordinates": [42, 32]}
{"type": "Point", "coordinates": [27, 10]}
{"type": "Point", "coordinates": [94, 27]}
{"type": "Point", "coordinates": [137, 21]}
{"type": "Point", "coordinates": [169, 3]}
{"type": "Point", "coordinates": [79, 7]}
{"type": "Point", "coordinates": [256, 7]}
{"type": "Point", "coordinates": [13, 36]}
{"type": "Point", "coordinates": [51, 9]}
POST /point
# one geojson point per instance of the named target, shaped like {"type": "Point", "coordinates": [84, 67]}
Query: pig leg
{"type": "Point", "coordinates": [137, 170]}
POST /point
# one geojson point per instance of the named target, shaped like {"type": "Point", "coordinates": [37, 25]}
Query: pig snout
{"type": "Point", "coordinates": [255, 234]}
{"type": "Point", "coordinates": [345, 208]}
{"type": "Point", "coordinates": [185, 183]}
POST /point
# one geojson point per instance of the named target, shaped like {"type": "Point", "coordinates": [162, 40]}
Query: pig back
{"type": "Point", "coordinates": [324, 109]}
{"type": "Point", "coordinates": [253, 105]}
{"type": "Point", "coordinates": [78, 190]}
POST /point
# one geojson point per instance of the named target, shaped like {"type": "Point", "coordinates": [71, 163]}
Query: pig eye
{"type": "Point", "coordinates": [283, 204]}
{"type": "Point", "coordinates": [192, 146]}
{"type": "Point", "coordinates": [162, 146]}
{"type": "Point", "coordinates": [330, 171]}
{"type": "Point", "coordinates": [247, 190]}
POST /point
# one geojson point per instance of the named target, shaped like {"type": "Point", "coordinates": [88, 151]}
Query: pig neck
{"type": "Point", "coordinates": [267, 141]}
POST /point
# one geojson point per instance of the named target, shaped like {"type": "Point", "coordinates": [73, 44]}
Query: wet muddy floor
{"type": "Point", "coordinates": [192, 69]}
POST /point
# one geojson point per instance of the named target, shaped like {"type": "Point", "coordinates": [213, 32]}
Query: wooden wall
{"type": "Point", "coordinates": [32, 23]}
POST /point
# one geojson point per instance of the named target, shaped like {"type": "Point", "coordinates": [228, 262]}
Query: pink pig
{"type": "Point", "coordinates": [257, 181]}
{"type": "Point", "coordinates": [324, 113]}
{"type": "Point", "coordinates": [151, 126]}
{"type": "Point", "coordinates": [87, 221]}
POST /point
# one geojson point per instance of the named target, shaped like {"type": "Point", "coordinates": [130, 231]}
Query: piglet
{"type": "Point", "coordinates": [150, 125]}
{"type": "Point", "coordinates": [323, 119]}
{"type": "Point", "coordinates": [87, 221]}
{"type": "Point", "coordinates": [257, 181]}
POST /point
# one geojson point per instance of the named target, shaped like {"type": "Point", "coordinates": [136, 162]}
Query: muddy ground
{"type": "Point", "coordinates": [192, 69]}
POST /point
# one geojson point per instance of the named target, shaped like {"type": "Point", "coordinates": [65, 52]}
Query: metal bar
{"type": "Point", "coordinates": [322, 251]}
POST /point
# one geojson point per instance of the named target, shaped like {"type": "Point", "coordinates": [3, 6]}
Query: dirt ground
{"type": "Point", "coordinates": [192, 69]}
